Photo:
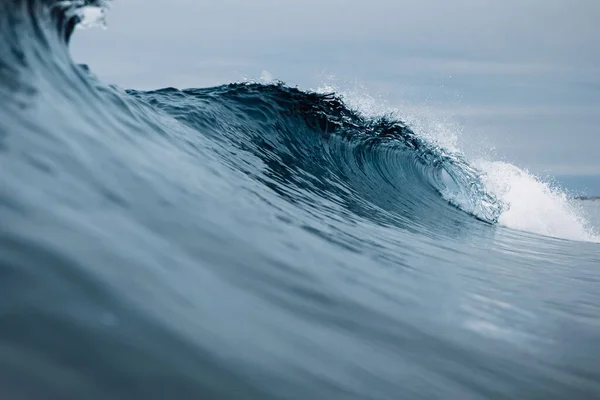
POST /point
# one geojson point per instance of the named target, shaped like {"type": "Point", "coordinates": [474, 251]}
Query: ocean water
{"type": "Point", "coordinates": [255, 240]}
{"type": "Point", "coordinates": [591, 211]}
{"type": "Point", "coordinates": [582, 186]}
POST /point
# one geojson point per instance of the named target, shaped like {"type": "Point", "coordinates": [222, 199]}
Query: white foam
{"type": "Point", "coordinates": [533, 205]}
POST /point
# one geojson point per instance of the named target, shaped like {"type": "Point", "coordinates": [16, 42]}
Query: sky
{"type": "Point", "coordinates": [517, 79]}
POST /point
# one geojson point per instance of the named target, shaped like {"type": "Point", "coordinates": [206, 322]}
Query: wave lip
{"type": "Point", "coordinates": [43, 16]}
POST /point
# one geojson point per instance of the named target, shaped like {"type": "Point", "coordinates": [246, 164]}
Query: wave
{"type": "Point", "coordinates": [311, 141]}
{"type": "Point", "coordinates": [257, 240]}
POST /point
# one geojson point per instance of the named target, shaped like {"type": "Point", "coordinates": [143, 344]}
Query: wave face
{"type": "Point", "coordinates": [260, 241]}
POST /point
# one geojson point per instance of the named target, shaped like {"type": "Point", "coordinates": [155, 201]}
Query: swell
{"type": "Point", "coordinates": [138, 232]}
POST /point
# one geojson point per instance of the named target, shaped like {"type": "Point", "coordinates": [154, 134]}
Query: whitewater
{"type": "Point", "coordinates": [255, 240]}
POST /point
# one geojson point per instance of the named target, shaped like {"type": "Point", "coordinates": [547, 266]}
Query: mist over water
{"type": "Point", "coordinates": [255, 240]}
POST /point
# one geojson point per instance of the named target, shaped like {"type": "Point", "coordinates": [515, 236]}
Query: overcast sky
{"type": "Point", "coordinates": [520, 76]}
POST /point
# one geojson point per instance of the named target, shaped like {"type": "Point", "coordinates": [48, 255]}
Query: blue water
{"type": "Point", "coordinates": [581, 185]}
{"type": "Point", "coordinates": [261, 241]}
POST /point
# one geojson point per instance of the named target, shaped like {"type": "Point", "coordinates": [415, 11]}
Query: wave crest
{"type": "Point", "coordinates": [318, 131]}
